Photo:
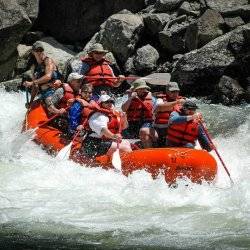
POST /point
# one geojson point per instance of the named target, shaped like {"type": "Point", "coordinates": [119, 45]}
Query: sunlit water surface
{"type": "Point", "coordinates": [50, 204]}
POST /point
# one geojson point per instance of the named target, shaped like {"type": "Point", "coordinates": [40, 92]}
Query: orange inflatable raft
{"type": "Point", "coordinates": [173, 163]}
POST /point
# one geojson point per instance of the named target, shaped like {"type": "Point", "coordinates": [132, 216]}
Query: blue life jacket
{"type": "Point", "coordinates": [74, 116]}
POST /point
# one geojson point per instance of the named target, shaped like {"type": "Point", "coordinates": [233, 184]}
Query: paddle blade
{"type": "Point", "coordinates": [158, 79]}
{"type": "Point", "coordinates": [116, 160]}
{"type": "Point", "coordinates": [64, 153]}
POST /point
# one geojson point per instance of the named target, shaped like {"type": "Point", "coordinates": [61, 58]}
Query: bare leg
{"type": "Point", "coordinates": [123, 147]}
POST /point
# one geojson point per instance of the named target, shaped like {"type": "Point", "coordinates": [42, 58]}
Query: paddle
{"type": "Point", "coordinates": [116, 159]}
{"type": "Point", "coordinates": [64, 153]}
{"type": "Point", "coordinates": [216, 151]}
{"type": "Point", "coordinates": [154, 79]}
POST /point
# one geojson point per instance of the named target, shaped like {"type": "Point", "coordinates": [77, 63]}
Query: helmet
{"type": "Point", "coordinates": [189, 105]}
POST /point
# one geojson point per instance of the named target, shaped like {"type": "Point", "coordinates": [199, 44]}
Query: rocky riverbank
{"type": "Point", "coordinates": [204, 44]}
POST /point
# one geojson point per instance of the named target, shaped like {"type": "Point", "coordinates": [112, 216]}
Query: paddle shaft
{"type": "Point", "coordinates": [216, 151]}
{"type": "Point", "coordinates": [50, 119]}
{"type": "Point", "coordinates": [115, 77]}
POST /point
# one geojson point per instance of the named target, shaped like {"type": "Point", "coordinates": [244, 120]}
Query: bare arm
{"type": "Point", "coordinates": [168, 106]}
{"type": "Point", "coordinates": [49, 68]}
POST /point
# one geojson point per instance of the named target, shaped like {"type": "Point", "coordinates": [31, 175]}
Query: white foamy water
{"type": "Point", "coordinates": [41, 196]}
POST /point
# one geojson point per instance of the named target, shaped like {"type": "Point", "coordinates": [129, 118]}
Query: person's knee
{"type": "Point", "coordinates": [125, 146]}
{"type": "Point", "coordinates": [189, 145]}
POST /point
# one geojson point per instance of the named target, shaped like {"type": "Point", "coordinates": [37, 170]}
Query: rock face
{"type": "Point", "coordinates": [120, 34]}
{"type": "Point", "coordinates": [156, 22]}
{"type": "Point", "coordinates": [146, 58]}
{"type": "Point", "coordinates": [30, 7]}
{"type": "Point", "coordinates": [223, 5]}
{"type": "Point", "coordinates": [228, 91]}
{"type": "Point", "coordinates": [200, 70]}
{"type": "Point", "coordinates": [14, 23]}
{"type": "Point", "coordinates": [203, 30]}
{"type": "Point", "coordinates": [78, 20]}
{"type": "Point", "coordinates": [167, 5]}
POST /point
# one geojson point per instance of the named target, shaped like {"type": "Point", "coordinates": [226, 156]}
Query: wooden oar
{"type": "Point", "coordinates": [64, 153]}
{"type": "Point", "coordinates": [116, 158]}
{"type": "Point", "coordinates": [154, 79]}
{"type": "Point", "coordinates": [216, 151]}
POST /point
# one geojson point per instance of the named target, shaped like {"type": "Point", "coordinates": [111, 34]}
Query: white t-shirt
{"type": "Point", "coordinates": [97, 122]}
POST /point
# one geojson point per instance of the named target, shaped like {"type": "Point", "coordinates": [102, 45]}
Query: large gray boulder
{"type": "Point", "coordinates": [233, 22]}
{"type": "Point", "coordinates": [146, 58]}
{"type": "Point", "coordinates": [172, 38]}
{"type": "Point", "coordinates": [119, 34]}
{"type": "Point", "coordinates": [228, 91]}
{"type": "Point", "coordinates": [200, 70]}
{"type": "Point", "coordinates": [30, 7]}
{"type": "Point", "coordinates": [167, 5]}
{"type": "Point", "coordinates": [14, 23]}
{"type": "Point", "coordinates": [154, 23]}
{"type": "Point", "coordinates": [81, 19]}
{"type": "Point", "coordinates": [191, 8]}
{"type": "Point", "coordinates": [241, 11]}
{"type": "Point", "coordinates": [224, 5]}
{"type": "Point", "coordinates": [203, 30]}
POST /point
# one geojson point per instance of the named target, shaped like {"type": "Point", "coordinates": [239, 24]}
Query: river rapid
{"type": "Point", "coordinates": [51, 204]}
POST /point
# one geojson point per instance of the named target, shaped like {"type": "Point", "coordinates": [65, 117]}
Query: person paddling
{"type": "Point", "coordinates": [65, 94]}
{"type": "Point", "coordinates": [46, 74]}
{"type": "Point", "coordinates": [139, 110]}
{"type": "Point", "coordinates": [81, 109]}
{"type": "Point", "coordinates": [105, 124]}
{"type": "Point", "coordinates": [166, 103]}
{"type": "Point", "coordinates": [95, 65]}
{"type": "Point", "coordinates": [184, 128]}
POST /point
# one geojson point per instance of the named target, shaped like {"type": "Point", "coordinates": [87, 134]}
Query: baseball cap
{"type": "Point", "coordinates": [37, 46]}
{"type": "Point", "coordinates": [173, 86]}
{"type": "Point", "coordinates": [74, 76]}
{"type": "Point", "coordinates": [105, 98]}
{"type": "Point", "coordinates": [188, 104]}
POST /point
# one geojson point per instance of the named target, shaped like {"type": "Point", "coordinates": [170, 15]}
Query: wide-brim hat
{"type": "Point", "coordinates": [139, 84]}
{"type": "Point", "coordinates": [98, 48]}
{"type": "Point", "coordinates": [173, 86]}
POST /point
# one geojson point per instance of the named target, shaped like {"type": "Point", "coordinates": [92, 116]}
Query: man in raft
{"type": "Point", "coordinates": [65, 94]}
{"type": "Point", "coordinates": [97, 71]}
{"type": "Point", "coordinates": [81, 109]}
{"type": "Point", "coordinates": [139, 110]}
{"type": "Point", "coordinates": [105, 126]}
{"type": "Point", "coordinates": [166, 103]}
{"type": "Point", "coordinates": [45, 75]}
{"type": "Point", "coordinates": [184, 128]}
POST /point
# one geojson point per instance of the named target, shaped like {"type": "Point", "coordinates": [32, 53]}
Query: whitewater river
{"type": "Point", "coordinates": [48, 204]}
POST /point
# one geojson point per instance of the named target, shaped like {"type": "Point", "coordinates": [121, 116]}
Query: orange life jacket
{"type": "Point", "coordinates": [88, 109]}
{"type": "Point", "coordinates": [183, 133]}
{"type": "Point", "coordinates": [102, 69]}
{"type": "Point", "coordinates": [140, 109]}
{"type": "Point", "coordinates": [68, 94]}
{"type": "Point", "coordinates": [162, 117]}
